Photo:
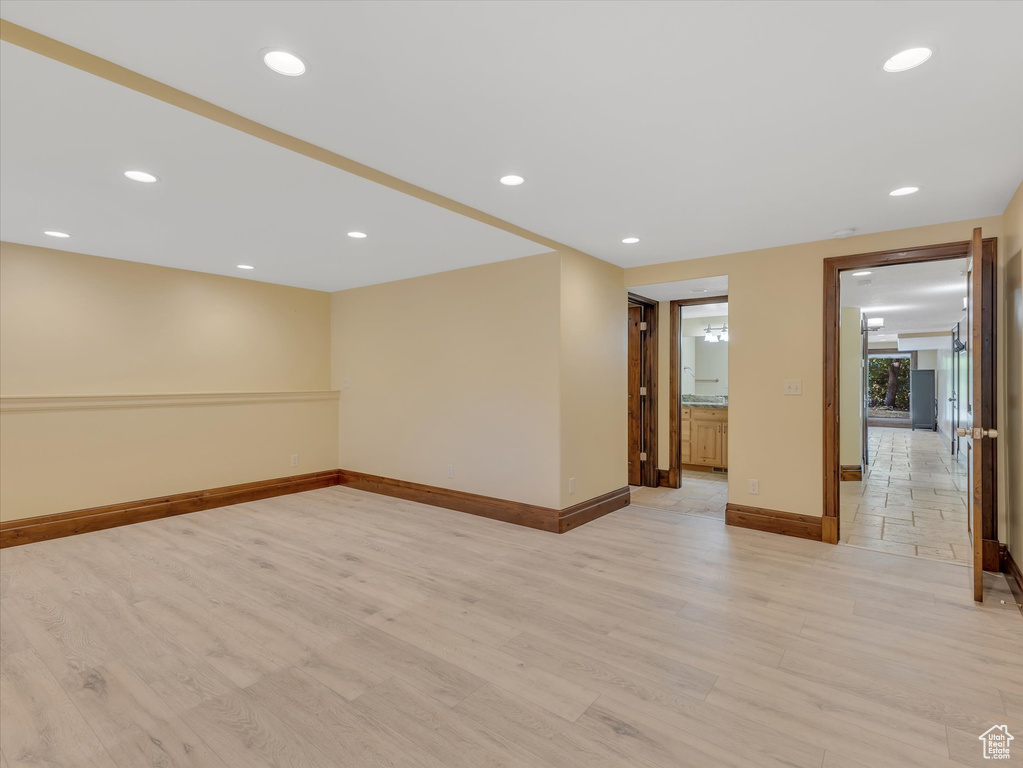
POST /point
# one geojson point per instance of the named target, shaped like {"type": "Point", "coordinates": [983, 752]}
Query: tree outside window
{"type": "Point", "coordinates": [888, 383]}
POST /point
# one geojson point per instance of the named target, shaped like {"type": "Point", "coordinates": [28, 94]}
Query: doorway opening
{"type": "Point", "coordinates": [692, 462]}
{"type": "Point", "coordinates": [909, 356]}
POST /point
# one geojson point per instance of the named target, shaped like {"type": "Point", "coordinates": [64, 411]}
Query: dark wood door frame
{"type": "Point", "coordinates": [833, 268]}
{"type": "Point", "coordinates": [675, 384]}
{"type": "Point", "coordinates": [648, 379]}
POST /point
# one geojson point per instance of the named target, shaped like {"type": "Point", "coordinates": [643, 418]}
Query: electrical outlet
{"type": "Point", "coordinates": [754, 487]}
{"type": "Point", "coordinates": [793, 386]}
{"type": "Point", "coordinates": [451, 470]}
{"type": "Point", "coordinates": [571, 486]}
{"type": "Point", "coordinates": [294, 459]}
{"type": "Point", "coordinates": [346, 383]}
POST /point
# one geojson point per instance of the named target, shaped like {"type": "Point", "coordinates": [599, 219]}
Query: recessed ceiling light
{"type": "Point", "coordinates": [903, 191]}
{"type": "Point", "coordinates": [907, 59]}
{"type": "Point", "coordinates": [698, 290]}
{"type": "Point", "coordinates": [630, 240]}
{"type": "Point", "coordinates": [145, 178]}
{"type": "Point", "coordinates": [245, 266]}
{"type": "Point", "coordinates": [864, 273]}
{"type": "Point", "coordinates": [357, 235]}
{"type": "Point", "coordinates": [512, 181]}
{"type": "Point", "coordinates": [284, 63]}
{"type": "Point", "coordinates": [55, 233]}
{"type": "Point", "coordinates": [843, 232]}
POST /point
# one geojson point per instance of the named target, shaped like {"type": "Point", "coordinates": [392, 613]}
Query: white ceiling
{"type": "Point", "coordinates": [700, 127]}
{"type": "Point", "coordinates": [224, 198]}
{"type": "Point", "coordinates": [910, 298]}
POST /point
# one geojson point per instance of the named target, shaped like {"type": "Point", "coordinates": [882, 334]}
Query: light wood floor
{"type": "Point", "coordinates": [337, 628]}
{"type": "Point", "coordinates": [912, 500]}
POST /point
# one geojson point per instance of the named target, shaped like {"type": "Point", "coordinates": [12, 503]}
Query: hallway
{"type": "Point", "coordinates": [912, 500]}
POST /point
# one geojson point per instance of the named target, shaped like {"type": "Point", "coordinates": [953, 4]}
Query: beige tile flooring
{"type": "Point", "coordinates": [339, 629]}
{"type": "Point", "coordinates": [703, 494]}
{"type": "Point", "coordinates": [913, 499]}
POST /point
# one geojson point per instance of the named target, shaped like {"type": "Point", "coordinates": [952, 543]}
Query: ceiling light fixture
{"type": "Point", "coordinates": [716, 333]}
{"type": "Point", "coordinates": [55, 233]}
{"type": "Point", "coordinates": [903, 191]}
{"type": "Point", "coordinates": [630, 240]}
{"type": "Point", "coordinates": [284, 63]}
{"type": "Point", "coordinates": [864, 273]}
{"type": "Point", "coordinates": [698, 290]}
{"type": "Point", "coordinates": [245, 266]}
{"type": "Point", "coordinates": [912, 57]}
{"type": "Point", "coordinates": [875, 323]}
{"type": "Point", "coordinates": [145, 178]}
{"type": "Point", "coordinates": [357, 235]}
{"type": "Point", "coordinates": [512, 181]}
{"type": "Point", "coordinates": [844, 232]}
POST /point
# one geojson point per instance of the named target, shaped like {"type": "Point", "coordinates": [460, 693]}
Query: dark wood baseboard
{"type": "Point", "coordinates": [773, 521]}
{"type": "Point", "coordinates": [850, 472]}
{"type": "Point", "coordinates": [664, 478]}
{"type": "Point", "coordinates": [1013, 575]}
{"type": "Point", "coordinates": [33, 529]}
{"type": "Point", "coordinates": [584, 512]}
{"type": "Point", "coordinates": [519, 513]}
{"type": "Point", "coordinates": [991, 555]}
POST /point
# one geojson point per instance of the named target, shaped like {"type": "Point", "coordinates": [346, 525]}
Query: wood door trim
{"type": "Point", "coordinates": [833, 267]}
{"type": "Point", "coordinates": [33, 529]}
{"type": "Point", "coordinates": [648, 378]}
{"type": "Point", "coordinates": [774, 521]}
{"type": "Point", "coordinates": [674, 478]}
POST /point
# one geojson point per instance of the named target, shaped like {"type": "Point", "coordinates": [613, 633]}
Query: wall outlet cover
{"type": "Point", "coordinates": [793, 386]}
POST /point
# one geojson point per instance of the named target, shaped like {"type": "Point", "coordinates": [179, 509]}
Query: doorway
{"type": "Point", "coordinates": [896, 455]}
{"type": "Point", "coordinates": [692, 395]}
{"type": "Point", "coordinates": [642, 389]}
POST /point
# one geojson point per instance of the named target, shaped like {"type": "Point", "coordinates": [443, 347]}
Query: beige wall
{"type": "Point", "coordinates": [82, 337]}
{"type": "Point", "coordinates": [850, 372]}
{"type": "Point", "coordinates": [927, 359]}
{"type": "Point", "coordinates": [1011, 449]}
{"type": "Point", "coordinates": [594, 386]}
{"type": "Point", "coordinates": [79, 324]}
{"type": "Point", "coordinates": [774, 438]}
{"type": "Point", "coordinates": [459, 368]}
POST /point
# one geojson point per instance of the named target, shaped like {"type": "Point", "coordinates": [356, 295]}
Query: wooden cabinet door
{"type": "Point", "coordinates": [724, 446]}
{"type": "Point", "coordinates": [706, 443]}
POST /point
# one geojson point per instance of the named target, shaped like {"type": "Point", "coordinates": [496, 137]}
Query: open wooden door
{"type": "Point", "coordinates": [972, 426]}
{"type": "Point", "coordinates": [635, 403]}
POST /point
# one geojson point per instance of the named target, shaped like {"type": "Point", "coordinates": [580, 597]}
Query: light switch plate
{"type": "Point", "coordinates": [793, 386]}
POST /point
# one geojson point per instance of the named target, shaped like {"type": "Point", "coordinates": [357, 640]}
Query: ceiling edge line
{"type": "Point", "coordinates": [95, 65]}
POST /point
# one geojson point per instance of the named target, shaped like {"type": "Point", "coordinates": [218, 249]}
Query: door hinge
{"type": "Point", "coordinates": [642, 391]}
{"type": "Point", "coordinates": [642, 457]}
{"type": "Point", "coordinates": [642, 326]}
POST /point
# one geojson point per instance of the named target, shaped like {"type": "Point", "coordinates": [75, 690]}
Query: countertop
{"type": "Point", "coordinates": [703, 404]}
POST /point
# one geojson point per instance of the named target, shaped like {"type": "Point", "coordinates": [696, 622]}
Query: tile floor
{"type": "Point", "coordinates": [913, 499]}
{"type": "Point", "coordinates": [703, 494]}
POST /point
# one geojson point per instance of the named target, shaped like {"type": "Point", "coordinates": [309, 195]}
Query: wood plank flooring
{"type": "Point", "coordinates": [338, 628]}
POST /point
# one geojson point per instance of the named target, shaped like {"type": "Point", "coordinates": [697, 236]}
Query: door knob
{"type": "Point", "coordinates": [976, 433]}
